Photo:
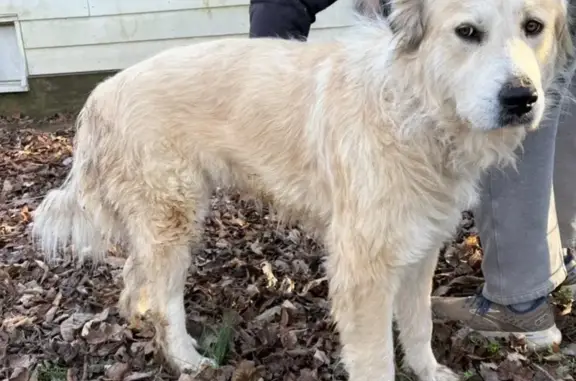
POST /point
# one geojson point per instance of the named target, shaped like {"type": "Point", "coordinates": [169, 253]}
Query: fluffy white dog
{"type": "Point", "coordinates": [376, 140]}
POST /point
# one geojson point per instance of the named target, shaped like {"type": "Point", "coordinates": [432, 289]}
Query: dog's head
{"type": "Point", "coordinates": [494, 61]}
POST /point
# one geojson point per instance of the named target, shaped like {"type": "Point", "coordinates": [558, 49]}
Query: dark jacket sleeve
{"type": "Point", "coordinates": [289, 18]}
{"type": "Point", "coordinates": [284, 18]}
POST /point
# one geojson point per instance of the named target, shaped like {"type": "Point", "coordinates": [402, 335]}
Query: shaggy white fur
{"type": "Point", "coordinates": [376, 141]}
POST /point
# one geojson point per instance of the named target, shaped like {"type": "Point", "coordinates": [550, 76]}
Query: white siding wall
{"type": "Point", "coordinates": [75, 36]}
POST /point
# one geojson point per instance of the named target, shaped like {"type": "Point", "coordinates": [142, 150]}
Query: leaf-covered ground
{"type": "Point", "coordinates": [256, 297]}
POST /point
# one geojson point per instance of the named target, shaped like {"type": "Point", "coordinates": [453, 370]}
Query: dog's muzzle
{"type": "Point", "coordinates": [517, 99]}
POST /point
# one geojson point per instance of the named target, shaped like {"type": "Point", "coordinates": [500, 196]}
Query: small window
{"type": "Point", "coordinates": [13, 76]}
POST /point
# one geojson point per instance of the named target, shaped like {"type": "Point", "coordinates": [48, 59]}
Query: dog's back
{"type": "Point", "coordinates": [194, 118]}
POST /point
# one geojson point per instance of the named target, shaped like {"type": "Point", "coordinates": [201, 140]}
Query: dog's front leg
{"type": "Point", "coordinates": [362, 289]}
{"type": "Point", "coordinates": [414, 319]}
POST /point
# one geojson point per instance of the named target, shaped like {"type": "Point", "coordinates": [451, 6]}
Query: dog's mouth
{"type": "Point", "coordinates": [526, 119]}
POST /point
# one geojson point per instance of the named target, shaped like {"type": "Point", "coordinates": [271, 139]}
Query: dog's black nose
{"type": "Point", "coordinates": [517, 97]}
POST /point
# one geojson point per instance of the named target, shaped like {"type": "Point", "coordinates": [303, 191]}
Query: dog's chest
{"type": "Point", "coordinates": [431, 224]}
{"type": "Point", "coordinates": [465, 195]}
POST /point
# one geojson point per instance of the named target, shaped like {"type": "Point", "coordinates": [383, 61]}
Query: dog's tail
{"type": "Point", "coordinates": [74, 214]}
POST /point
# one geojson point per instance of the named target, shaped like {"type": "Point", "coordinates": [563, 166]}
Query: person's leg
{"type": "Point", "coordinates": [287, 19]}
{"type": "Point", "coordinates": [565, 174]}
{"type": "Point", "coordinates": [518, 228]}
{"type": "Point", "coordinates": [516, 219]}
{"type": "Point", "coordinates": [565, 185]}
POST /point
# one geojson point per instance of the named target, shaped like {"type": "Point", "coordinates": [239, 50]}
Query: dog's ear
{"type": "Point", "coordinates": [565, 30]}
{"type": "Point", "coordinates": [565, 33]}
{"type": "Point", "coordinates": [372, 8]}
{"type": "Point", "coordinates": [407, 21]}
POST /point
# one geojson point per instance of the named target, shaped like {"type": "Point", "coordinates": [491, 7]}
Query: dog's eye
{"type": "Point", "coordinates": [469, 33]}
{"type": "Point", "coordinates": [533, 27]}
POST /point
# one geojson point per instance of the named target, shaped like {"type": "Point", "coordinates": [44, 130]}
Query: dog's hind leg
{"type": "Point", "coordinates": [412, 309]}
{"type": "Point", "coordinates": [155, 275]}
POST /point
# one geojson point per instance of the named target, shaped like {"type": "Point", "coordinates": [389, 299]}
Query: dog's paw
{"type": "Point", "coordinates": [198, 365]}
{"type": "Point", "coordinates": [443, 373]}
{"type": "Point", "coordinates": [436, 372]}
{"type": "Point", "coordinates": [185, 358]}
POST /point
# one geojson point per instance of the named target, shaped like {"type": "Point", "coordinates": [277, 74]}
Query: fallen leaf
{"type": "Point", "coordinates": [322, 357]}
{"type": "Point", "coordinates": [19, 374]}
{"type": "Point", "coordinates": [312, 284]}
{"type": "Point", "coordinates": [185, 377]}
{"type": "Point", "coordinates": [10, 324]}
{"type": "Point", "coordinates": [117, 371]}
{"type": "Point", "coordinates": [308, 375]}
{"type": "Point", "coordinates": [98, 333]}
{"type": "Point", "coordinates": [246, 371]}
{"type": "Point", "coordinates": [570, 350]}
{"type": "Point", "coordinates": [70, 326]}
{"type": "Point", "coordinates": [139, 376]}
{"type": "Point", "coordinates": [21, 361]}
{"type": "Point", "coordinates": [489, 372]}
{"type": "Point", "coordinates": [289, 339]}
{"type": "Point", "coordinates": [269, 314]}
{"type": "Point", "coordinates": [71, 375]}
{"type": "Point", "coordinates": [21, 366]}
{"type": "Point", "coordinates": [267, 270]}
{"type": "Point", "coordinates": [7, 187]}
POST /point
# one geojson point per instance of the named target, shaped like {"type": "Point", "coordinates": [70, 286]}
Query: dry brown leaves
{"type": "Point", "coordinates": [256, 286]}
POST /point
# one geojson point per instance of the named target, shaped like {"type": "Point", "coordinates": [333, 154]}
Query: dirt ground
{"type": "Point", "coordinates": [256, 298]}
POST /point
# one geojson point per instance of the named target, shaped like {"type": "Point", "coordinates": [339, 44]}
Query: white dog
{"type": "Point", "coordinates": [376, 140]}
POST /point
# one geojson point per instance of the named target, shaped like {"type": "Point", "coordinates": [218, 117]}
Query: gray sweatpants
{"type": "Point", "coordinates": [526, 216]}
